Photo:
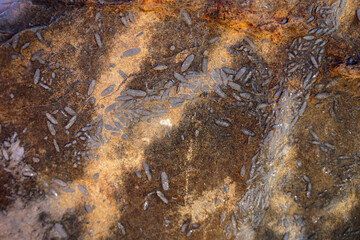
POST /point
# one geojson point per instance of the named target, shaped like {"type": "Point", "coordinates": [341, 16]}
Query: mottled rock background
{"type": "Point", "coordinates": [248, 110]}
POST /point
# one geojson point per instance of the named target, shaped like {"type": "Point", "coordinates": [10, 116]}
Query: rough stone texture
{"type": "Point", "coordinates": [292, 173]}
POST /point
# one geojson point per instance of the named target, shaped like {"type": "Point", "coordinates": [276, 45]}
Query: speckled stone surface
{"type": "Point", "coordinates": [180, 120]}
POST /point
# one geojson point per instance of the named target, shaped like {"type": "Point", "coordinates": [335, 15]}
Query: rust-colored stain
{"type": "Point", "coordinates": [250, 108]}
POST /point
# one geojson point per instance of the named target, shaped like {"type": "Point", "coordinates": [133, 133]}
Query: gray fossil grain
{"type": "Point", "coordinates": [98, 40]}
{"type": "Point", "coordinates": [240, 73]}
{"type": "Point", "coordinates": [214, 39]}
{"type": "Point", "coordinates": [222, 122]}
{"type": "Point", "coordinates": [247, 77]}
{"type": "Point", "coordinates": [146, 205]}
{"type": "Point", "coordinates": [88, 208]}
{"type": "Point", "coordinates": [248, 132]}
{"type": "Point", "coordinates": [216, 76]}
{"type": "Point", "coordinates": [242, 172]}
{"type": "Point", "coordinates": [138, 174]}
{"type": "Point", "coordinates": [164, 181]}
{"type": "Point", "coordinates": [218, 90]}
{"type": "Point", "coordinates": [204, 64]}
{"type": "Point", "coordinates": [53, 192]}
{"type": "Point", "coordinates": [51, 118]}
{"type": "Point", "coordinates": [26, 45]}
{"type": "Point", "coordinates": [29, 174]}
{"type": "Point", "coordinates": [136, 93]}
{"type": "Point", "coordinates": [162, 197]}
{"type": "Point", "coordinates": [160, 67]}
{"type": "Point", "coordinates": [91, 87]}
{"type": "Point", "coordinates": [125, 21]}
{"type": "Point", "coordinates": [61, 230]}
{"type": "Point", "coordinates": [322, 95]}
{"type": "Point", "coordinates": [175, 100]}
{"type": "Point", "coordinates": [235, 86]}
{"type": "Point", "coordinates": [131, 52]}
{"type": "Point", "coordinates": [302, 108]}
{"type": "Point", "coordinates": [83, 189]}
{"type": "Point", "coordinates": [131, 17]}
{"type": "Point", "coordinates": [70, 111]}
{"type": "Point", "coordinates": [250, 42]}
{"type": "Point", "coordinates": [122, 228]}
{"type": "Point", "coordinates": [40, 37]}
{"type": "Point", "coordinates": [186, 16]}
{"type": "Point", "coordinates": [56, 145]}
{"type": "Point", "coordinates": [314, 134]}
{"type": "Point", "coordinates": [37, 76]}
{"type": "Point", "coordinates": [229, 70]}
{"type": "Point", "coordinates": [111, 107]}
{"type": "Point", "coordinates": [185, 225]}
{"type": "Point", "coordinates": [71, 122]}
{"type": "Point", "coordinates": [51, 128]}
{"type": "Point", "coordinates": [147, 170]}
{"type": "Point", "coordinates": [187, 62]}
{"type": "Point", "coordinates": [59, 182]}
{"type": "Point", "coordinates": [108, 90]}
{"type": "Point", "coordinates": [180, 77]}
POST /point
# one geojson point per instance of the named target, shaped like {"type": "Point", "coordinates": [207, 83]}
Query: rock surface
{"type": "Point", "coordinates": [250, 109]}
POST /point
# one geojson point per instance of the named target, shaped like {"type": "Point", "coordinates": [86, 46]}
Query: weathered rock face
{"type": "Point", "coordinates": [180, 120]}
